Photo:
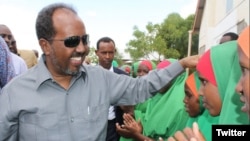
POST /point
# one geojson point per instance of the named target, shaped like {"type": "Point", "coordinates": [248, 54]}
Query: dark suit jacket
{"type": "Point", "coordinates": [118, 110]}
{"type": "Point", "coordinates": [112, 135]}
{"type": "Point", "coordinates": [119, 71]}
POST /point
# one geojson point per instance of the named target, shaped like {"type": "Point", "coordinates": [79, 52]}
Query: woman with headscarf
{"type": "Point", "coordinates": [217, 85]}
{"type": "Point", "coordinates": [192, 101]}
{"type": "Point", "coordinates": [134, 68]}
{"type": "Point", "coordinates": [195, 109]}
{"type": "Point", "coordinates": [139, 69]}
{"type": "Point", "coordinates": [126, 68]}
{"type": "Point", "coordinates": [155, 122]}
{"type": "Point", "coordinates": [218, 75]}
{"type": "Point", "coordinates": [115, 64]}
{"type": "Point", "coordinates": [7, 71]}
{"type": "Point", "coordinates": [243, 83]}
{"type": "Point", "coordinates": [144, 67]}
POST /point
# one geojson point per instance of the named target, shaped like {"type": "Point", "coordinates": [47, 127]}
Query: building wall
{"type": "Point", "coordinates": [219, 17]}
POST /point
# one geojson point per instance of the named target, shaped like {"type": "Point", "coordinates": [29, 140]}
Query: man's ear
{"type": "Point", "coordinates": [45, 46]}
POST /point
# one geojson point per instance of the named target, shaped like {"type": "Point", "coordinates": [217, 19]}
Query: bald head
{"type": "Point", "coordinates": [44, 22]}
{"type": "Point", "coordinates": [6, 34]}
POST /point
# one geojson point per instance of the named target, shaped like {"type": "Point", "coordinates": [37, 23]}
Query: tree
{"type": "Point", "coordinates": [147, 45]}
{"type": "Point", "coordinates": [174, 31]}
{"type": "Point", "coordinates": [168, 39]}
{"type": "Point", "coordinates": [140, 46]}
{"type": "Point", "coordinates": [92, 55]}
{"type": "Point", "coordinates": [118, 57]}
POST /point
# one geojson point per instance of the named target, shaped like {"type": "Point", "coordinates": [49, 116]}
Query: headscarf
{"type": "Point", "coordinates": [205, 68]}
{"type": "Point", "coordinates": [193, 83]}
{"type": "Point", "coordinates": [226, 69]}
{"type": "Point", "coordinates": [204, 120]}
{"type": "Point", "coordinates": [7, 71]}
{"type": "Point", "coordinates": [150, 64]}
{"type": "Point", "coordinates": [115, 64]}
{"type": "Point", "coordinates": [227, 80]}
{"type": "Point", "coordinates": [134, 68]}
{"type": "Point", "coordinates": [153, 64]}
{"type": "Point", "coordinates": [244, 42]}
{"type": "Point", "coordinates": [165, 113]}
{"type": "Point", "coordinates": [141, 107]}
{"type": "Point", "coordinates": [126, 68]}
{"type": "Point", "coordinates": [163, 64]}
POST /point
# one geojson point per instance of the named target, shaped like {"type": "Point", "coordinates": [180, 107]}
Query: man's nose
{"type": "Point", "coordinates": [82, 48]}
{"type": "Point", "coordinates": [108, 55]}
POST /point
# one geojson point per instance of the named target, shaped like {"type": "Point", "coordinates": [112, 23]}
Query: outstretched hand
{"type": "Point", "coordinates": [188, 134]}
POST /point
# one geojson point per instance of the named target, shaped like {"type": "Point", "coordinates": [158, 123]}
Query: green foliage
{"type": "Point", "coordinates": [92, 55]}
{"type": "Point", "coordinates": [146, 44]}
{"type": "Point", "coordinates": [118, 57]}
{"type": "Point", "coordinates": [168, 39]}
{"type": "Point", "coordinates": [172, 53]}
{"type": "Point", "coordinates": [175, 33]}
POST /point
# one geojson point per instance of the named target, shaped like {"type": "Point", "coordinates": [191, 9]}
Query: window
{"type": "Point", "coordinates": [229, 6]}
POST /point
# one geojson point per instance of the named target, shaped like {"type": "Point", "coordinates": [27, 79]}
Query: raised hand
{"type": "Point", "coordinates": [188, 134]}
{"type": "Point", "coordinates": [130, 127]}
{"type": "Point", "coordinates": [131, 124]}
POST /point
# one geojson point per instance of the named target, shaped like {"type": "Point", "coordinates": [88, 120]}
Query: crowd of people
{"type": "Point", "coordinates": [23, 59]}
{"type": "Point", "coordinates": [62, 96]}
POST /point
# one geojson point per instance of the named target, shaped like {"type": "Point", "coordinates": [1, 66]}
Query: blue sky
{"type": "Point", "coordinates": [113, 18]}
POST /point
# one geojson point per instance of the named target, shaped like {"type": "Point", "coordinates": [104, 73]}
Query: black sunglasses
{"type": "Point", "coordinates": [74, 41]}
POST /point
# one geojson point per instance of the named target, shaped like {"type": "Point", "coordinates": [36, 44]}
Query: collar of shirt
{"type": "Point", "coordinates": [111, 69]}
{"type": "Point", "coordinates": [45, 75]}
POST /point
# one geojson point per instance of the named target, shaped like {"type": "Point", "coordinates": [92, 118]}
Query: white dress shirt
{"type": "Point", "coordinates": [19, 64]}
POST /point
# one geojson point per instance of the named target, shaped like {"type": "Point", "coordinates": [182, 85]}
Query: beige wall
{"type": "Point", "coordinates": [243, 13]}
{"type": "Point", "coordinates": [217, 20]}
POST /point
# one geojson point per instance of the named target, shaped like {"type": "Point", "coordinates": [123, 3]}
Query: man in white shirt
{"type": "Point", "coordinates": [19, 64]}
{"type": "Point", "coordinates": [105, 52]}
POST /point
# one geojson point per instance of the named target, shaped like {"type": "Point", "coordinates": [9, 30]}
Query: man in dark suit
{"type": "Point", "coordinates": [105, 50]}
